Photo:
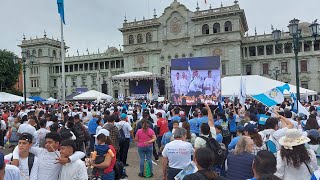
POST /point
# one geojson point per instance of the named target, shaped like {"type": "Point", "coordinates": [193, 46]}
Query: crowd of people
{"type": "Point", "coordinates": [90, 140]}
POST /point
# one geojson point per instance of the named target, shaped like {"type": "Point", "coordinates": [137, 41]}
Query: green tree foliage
{"type": "Point", "coordinates": [9, 71]}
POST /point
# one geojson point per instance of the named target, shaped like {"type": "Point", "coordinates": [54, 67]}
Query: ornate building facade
{"type": "Point", "coordinates": [150, 44]}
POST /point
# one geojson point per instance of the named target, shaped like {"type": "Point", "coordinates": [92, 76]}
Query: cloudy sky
{"type": "Point", "coordinates": [94, 24]}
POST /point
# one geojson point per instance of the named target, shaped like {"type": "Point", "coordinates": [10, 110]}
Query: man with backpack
{"type": "Point", "coordinates": [125, 131]}
{"type": "Point", "coordinates": [28, 163]}
{"type": "Point", "coordinates": [114, 132]}
{"type": "Point", "coordinates": [81, 133]}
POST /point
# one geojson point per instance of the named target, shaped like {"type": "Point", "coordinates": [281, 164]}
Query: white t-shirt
{"type": "Point", "coordinates": [208, 83]}
{"type": "Point", "coordinates": [38, 135]}
{"type": "Point", "coordinates": [201, 143]}
{"type": "Point", "coordinates": [24, 169]}
{"type": "Point", "coordinates": [183, 86]}
{"type": "Point", "coordinates": [76, 170]}
{"type": "Point", "coordinates": [178, 153]}
{"type": "Point", "coordinates": [26, 128]}
{"type": "Point", "coordinates": [126, 128]}
{"type": "Point", "coordinates": [11, 172]}
{"type": "Point", "coordinates": [49, 169]}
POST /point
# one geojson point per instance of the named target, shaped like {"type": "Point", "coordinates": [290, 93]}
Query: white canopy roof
{"type": "Point", "coordinates": [255, 84]}
{"type": "Point", "coordinates": [7, 97]}
{"type": "Point", "coordinates": [93, 95]}
{"type": "Point", "coordinates": [134, 75]}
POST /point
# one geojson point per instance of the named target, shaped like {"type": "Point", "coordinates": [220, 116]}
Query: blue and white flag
{"type": "Point", "coordinates": [61, 10]}
{"type": "Point", "coordinates": [262, 118]}
{"type": "Point", "coordinates": [273, 96]}
{"type": "Point", "coordinates": [242, 92]}
{"type": "Point", "coordinates": [298, 109]}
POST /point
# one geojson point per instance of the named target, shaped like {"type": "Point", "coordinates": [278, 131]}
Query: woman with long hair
{"type": "Point", "coordinates": [239, 161]}
{"type": "Point", "coordinates": [251, 130]}
{"type": "Point", "coordinates": [312, 123]}
{"type": "Point", "coordinates": [294, 161]}
{"type": "Point", "coordinates": [204, 159]}
{"type": "Point", "coordinates": [145, 138]}
{"type": "Point", "coordinates": [186, 126]}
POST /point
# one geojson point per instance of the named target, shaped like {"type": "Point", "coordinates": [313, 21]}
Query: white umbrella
{"type": "Point", "coordinates": [93, 95]}
{"type": "Point", "coordinates": [7, 97]}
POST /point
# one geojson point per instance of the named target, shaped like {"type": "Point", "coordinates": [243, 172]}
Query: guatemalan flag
{"type": "Point", "coordinates": [61, 10]}
{"type": "Point", "coordinates": [298, 108]}
{"type": "Point", "coordinates": [273, 96]}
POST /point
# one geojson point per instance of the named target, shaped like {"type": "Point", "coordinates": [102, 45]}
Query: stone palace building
{"type": "Point", "coordinates": [150, 44]}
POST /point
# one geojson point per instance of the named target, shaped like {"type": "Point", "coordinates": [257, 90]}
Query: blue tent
{"type": "Point", "coordinates": [37, 98]}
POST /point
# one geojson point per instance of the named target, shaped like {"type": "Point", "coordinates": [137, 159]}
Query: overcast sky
{"type": "Point", "coordinates": [94, 24]}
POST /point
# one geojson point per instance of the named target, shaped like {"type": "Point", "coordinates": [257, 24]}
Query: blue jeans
{"type": "Point", "coordinates": [109, 176]}
{"type": "Point", "coordinates": [145, 153]}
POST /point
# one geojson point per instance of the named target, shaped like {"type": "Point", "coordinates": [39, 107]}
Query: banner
{"type": "Point", "coordinates": [196, 80]}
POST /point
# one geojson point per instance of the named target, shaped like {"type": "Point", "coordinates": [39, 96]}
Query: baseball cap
{"type": "Point", "coordinates": [251, 127]}
{"type": "Point", "coordinates": [123, 116]}
{"type": "Point", "coordinates": [240, 127]}
{"type": "Point", "coordinates": [314, 133]}
{"type": "Point", "coordinates": [103, 131]}
{"type": "Point", "coordinates": [26, 137]}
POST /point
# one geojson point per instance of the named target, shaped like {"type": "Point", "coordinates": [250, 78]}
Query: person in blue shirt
{"type": "Point", "coordinates": [204, 118]}
{"type": "Point", "coordinates": [264, 164]}
{"type": "Point", "coordinates": [232, 124]}
{"type": "Point", "coordinates": [234, 141]}
{"type": "Point", "coordinates": [176, 116]}
{"type": "Point", "coordinates": [194, 127]}
{"type": "Point", "coordinates": [92, 127]}
{"type": "Point", "coordinates": [219, 136]}
{"type": "Point", "coordinates": [218, 120]}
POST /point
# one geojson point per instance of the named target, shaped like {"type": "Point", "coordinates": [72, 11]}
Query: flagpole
{"type": "Point", "coordinates": [62, 64]}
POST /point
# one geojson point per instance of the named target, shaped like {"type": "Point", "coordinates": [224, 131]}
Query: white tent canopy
{"type": "Point", "coordinates": [135, 75]}
{"type": "Point", "coordinates": [256, 84]}
{"type": "Point", "coordinates": [51, 100]}
{"type": "Point", "coordinates": [7, 97]}
{"type": "Point", "coordinates": [93, 95]}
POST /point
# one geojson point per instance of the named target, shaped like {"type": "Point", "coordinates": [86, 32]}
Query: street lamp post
{"type": "Point", "coordinates": [295, 32]}
{"type": "Point", "coordinates": [275, 73]}
{"type": "Point", "coordinates": [24, 66]}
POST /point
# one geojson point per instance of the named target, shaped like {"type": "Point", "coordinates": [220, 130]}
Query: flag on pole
{"type": "Point", "coordinates": [205, 1]}
{"type": "Point", "coordinates": [301, 109]}
{"type": "Point", "coordinates": [242, 93]}
{"type": "Point", "coordinates": [61, 10]}
{"type": "Point", "coordinates": [273, 96]}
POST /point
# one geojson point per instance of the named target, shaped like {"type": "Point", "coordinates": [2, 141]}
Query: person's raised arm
{"type": "Point", "coordinates": [210, 116]}
{"type": "Point", "coordinates": [284, 121]}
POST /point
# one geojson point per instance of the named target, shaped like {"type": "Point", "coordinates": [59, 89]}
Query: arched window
{"type": "Point", "coordinates": [54, 53]}
{"type": "Point", "coordinates": [216, 28]}
{"type": "Point", "coordinates": [148, 37]}
{"type": "Point", "coordinates": [131, 39]}
{"type": "Point", "coordinates": [227, 26]}
{"type": "Point", "coordinates": [205, 29]}
{"type": "Point", "coordinates": [163, 71]}
{"type": "Point", "coordinates": [34, 53]}
{"type": "Point", "coordinates": [40, 53]}
{"type": "Point", "coordinates": [139, 38]}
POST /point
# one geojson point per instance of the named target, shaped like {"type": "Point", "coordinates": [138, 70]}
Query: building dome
{"type": "Point", "coordinates": [112, 50]}
{"type": "Point", "coordinates": [304, 26]}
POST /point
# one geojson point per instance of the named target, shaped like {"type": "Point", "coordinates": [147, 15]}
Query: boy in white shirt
{"type": "Point", "coordinates": [50, 162]}
{"type": "Point", "coordinates": [28, 163]}
{"type": "Point", "coordinates": [73, 170]}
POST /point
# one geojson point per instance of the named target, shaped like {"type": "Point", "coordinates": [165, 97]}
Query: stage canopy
{"type": "Point", "coordinates": [136, 75]}
{"type": "Point", "coordinates": [256, 84]}
{"type": "Point", "coordinates": [6, 97]}
{"type": "Point", "coordinates": [37, 98]}
{"type": "Point", "coordinates": [93, 95]}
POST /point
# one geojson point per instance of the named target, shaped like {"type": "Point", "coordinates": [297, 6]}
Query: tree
{"type": "Point", "coordinates": [9, 71]}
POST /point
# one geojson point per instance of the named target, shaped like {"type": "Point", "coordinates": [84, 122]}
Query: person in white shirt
{"type": "Point", "coordinates": [26, 158]}
{"type": "Point", "coordinates": [73, 170]}
{"type": "Point", "coordinates": [195, 86]}
{"type": "Point", "coordinates": [176, 154]}
{"type": "Point", "coordinates": [8, 172]}
{"type": "Point", "coordinates": [176, 84]}
{"type": "Point", "coordinates": [208, 84]}
{"type": "Point", "coordinates": [154, 117]}
{"type": "Point", "coordinates": [184, 84]}
{"type": "Point", "coordinates": [128, 131]}
{"type": "Point", "coordinates": [50, 161]}
{"type": "Point", "coordinates": [28, 128]}
{"type": "Point", "coordinates": [39, 135]}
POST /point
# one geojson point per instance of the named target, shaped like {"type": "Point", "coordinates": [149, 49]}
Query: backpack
{"type": "Point", "coordinates": [78, 132]}
{"type": "Point", "coordinates": [271, 143]}
{"type": "Point", "coordinates": [219, 152]}
{"type": "Point", "coordinates": [85, 133]}
{"type": "Point", "coordinates": [122, 136]}
{"type": "Point", "coordinates": [30, 161]}
{"type": "Point", "coordinates": [119, 170]}
{"type": "Point", "coordinates": [225, 130]}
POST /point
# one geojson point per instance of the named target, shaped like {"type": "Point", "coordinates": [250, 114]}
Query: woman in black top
{"type": "Point", "coordinates": [204, 159]}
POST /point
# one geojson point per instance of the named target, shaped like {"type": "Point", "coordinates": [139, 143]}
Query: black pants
{"type": "Point", "coordinates": [92, 142]}
{"type": "Point", "coordinates": [159, 138]}
{"type": "Point", "coordinates": [124, 148]}
{"type": "Point", "coordinates": [172, 172]}
{"type": "Point", "coordinates": [2, 134]}
{"type": "Point", "coordinates": [155, 154]}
